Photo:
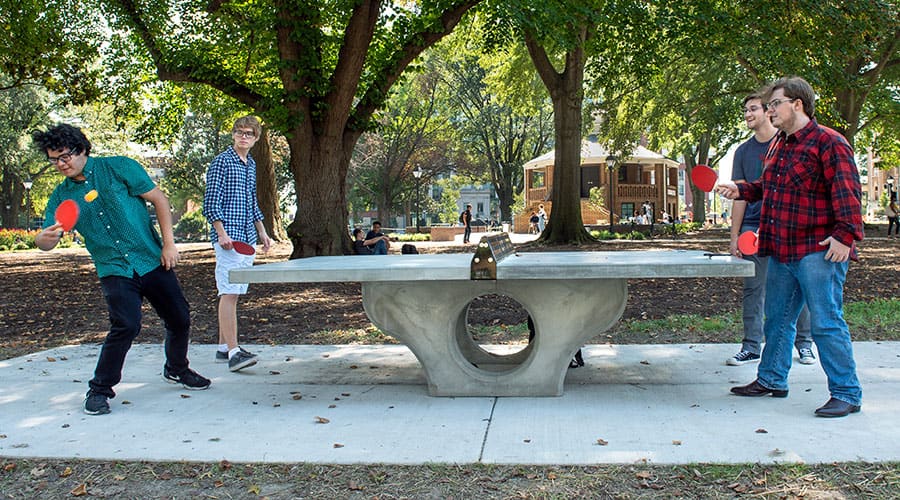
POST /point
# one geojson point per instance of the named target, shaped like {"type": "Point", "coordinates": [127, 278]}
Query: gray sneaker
{"type": "Point", "coordinates": [806, 356]}
{"type": "Point", "coordinates": [222, 357]}
{"type": "Point", "coordinates": [742, 358]}
{"type": "Point", "coordinates": [241, 359]}
{"type": "Point", "coordinates": [96, 403]}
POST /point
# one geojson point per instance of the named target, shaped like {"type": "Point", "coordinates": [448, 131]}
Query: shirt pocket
{"type": "Point", "coordinates": [805, 175]}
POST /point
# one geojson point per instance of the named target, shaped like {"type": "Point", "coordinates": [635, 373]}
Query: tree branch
{"type": "Point", "coordinates": [416, 43]}
{"type": "Point", "coordinates": [175, 73]}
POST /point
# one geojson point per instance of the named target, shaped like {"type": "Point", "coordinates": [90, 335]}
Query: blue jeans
{"type": "Point", "coordinates": [379, 248]}
{"type": "Point", "coordinates": [754, 296]}
{"type": "Point", "coordinates": [124, 297]}
{"type": "Point", "coordinates": [820, 284]}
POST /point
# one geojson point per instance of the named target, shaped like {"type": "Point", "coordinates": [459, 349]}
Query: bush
{"type": "Point", "coordinates": [409, 237]}
{"type": "Point", "coordinates": [192, 226]}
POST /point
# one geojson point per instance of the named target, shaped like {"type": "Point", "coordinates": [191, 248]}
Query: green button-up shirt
{"type": "Point", "coordinates": [116, 226]}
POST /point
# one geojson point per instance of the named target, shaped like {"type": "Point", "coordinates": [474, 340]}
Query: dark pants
{"type": "Point", "coordinates": [892, 223]}
{"type": "Point", "coordinates": [124, 297]}
{"type": "Point", "coordinates": [467, 234]}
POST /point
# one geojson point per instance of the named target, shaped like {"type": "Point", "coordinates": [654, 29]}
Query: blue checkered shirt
{"type": "Point", "coordinates": [230, 196]}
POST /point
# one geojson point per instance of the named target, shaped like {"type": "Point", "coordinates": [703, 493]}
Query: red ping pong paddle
{"type": "Point", "coordinates": [748, 243]}
{"type": "Point", "coordinates": [67, 214]}
{"type": "Point", "coordinates": [704, 177]}
{"type": "Point", "coordinates": [243, 248]}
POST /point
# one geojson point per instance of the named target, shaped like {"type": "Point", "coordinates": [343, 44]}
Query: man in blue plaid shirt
{"type": "Point", "coordinates": [231, 207]}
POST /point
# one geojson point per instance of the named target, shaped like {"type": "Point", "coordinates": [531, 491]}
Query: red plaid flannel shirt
{"type": "Point", "coordinates": [810, 190]}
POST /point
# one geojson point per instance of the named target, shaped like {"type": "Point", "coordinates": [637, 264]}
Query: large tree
{"type": "Point", "coordinates": [315, 70]}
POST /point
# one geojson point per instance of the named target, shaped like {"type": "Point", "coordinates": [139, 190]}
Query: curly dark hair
{"type": "Point", "coordinates": [62, 136]}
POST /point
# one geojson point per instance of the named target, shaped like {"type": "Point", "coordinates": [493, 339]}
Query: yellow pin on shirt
{"type": "Point", "coordinates": [91, 195]}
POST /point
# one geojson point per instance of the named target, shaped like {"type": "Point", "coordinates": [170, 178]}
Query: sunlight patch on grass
{"type": "Point", "coordinates": [881, 314]}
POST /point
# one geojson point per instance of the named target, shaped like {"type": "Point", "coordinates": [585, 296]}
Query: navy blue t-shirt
{"type": "Point", "coordinates": [748, 162]}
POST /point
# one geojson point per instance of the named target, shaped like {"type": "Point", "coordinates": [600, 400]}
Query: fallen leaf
{"type": "Point", "coordinates": [126, 402]}
{"type": "Point", "coordinates": [332, 406]}
{"type": "Point", "coordinates": [295, 397]}
{"type": "Point", "coordinates": [79, 491]}
{"type": "Point", "coordinates": [645, 362]}
{"type": "Point", "coordinates": [676, 442]}
{"type": "Point", "coordinates": [345, 394]}
{"type": "Point", "coordinates": [66, 473]}
{"type": "Point", "coordinates": [218, 484]}
{"type": "Point", "coordinates": [273, 372]}
{"type": "Point", "coordinates": [761, 431]}
{"type": "Point", "coordinates": [51, 360]}
{"type": "Point", "coordinates": [37, 472]}
{"type": "Point", "coordinates": [322, 420]}
{"type": "Point", "coordinates": [338, 445]}
{"type": "Point", "coordinates": [276, 405]}
{"type": "Point", "coordinates": [119, 478]}
{"type": "Point", "coordinates": [551, 476]}
{"type": "Point", "coordinates": [185, 396]}
{"type": "Point", "coordinates": [602, 442]}
{"type": "Point", "coordinates": [10, 466]}
{"type": "Point", "coordinates": [253, 488]}
{"type": "Point", "coordinates": [643, 475]}
{"type": "Point", "coordinates": [224, 465]}
{"type": "Point", "coordinates": [353, 367]}
{"type": "Point", "coordinates": [354, 486]}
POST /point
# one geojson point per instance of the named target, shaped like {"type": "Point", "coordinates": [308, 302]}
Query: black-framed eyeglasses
{"type": "Point", "coordinates": [245, 134]}
{"type": "Point", "coordinates": [65, 157]}
{"type": "Point", "coordinates": [774, 103]}
{"type": "Point", "coordinates": [752, 109]}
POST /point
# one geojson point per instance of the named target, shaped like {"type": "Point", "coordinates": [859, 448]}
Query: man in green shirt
{"type": "Point", "coordinates": [132, 261]}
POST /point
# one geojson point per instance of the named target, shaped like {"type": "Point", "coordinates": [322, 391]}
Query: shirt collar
{"type": "Point", "coordinates": [87, 171]}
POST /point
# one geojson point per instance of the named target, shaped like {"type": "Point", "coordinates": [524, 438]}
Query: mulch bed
{"type": "Point", "coordinates": [53, 298]}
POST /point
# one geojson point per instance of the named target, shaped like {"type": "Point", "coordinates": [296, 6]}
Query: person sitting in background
{"type": "Point", "coordinates": [359, 243]}
{"type": "Point", "coordinates": [377, 241]}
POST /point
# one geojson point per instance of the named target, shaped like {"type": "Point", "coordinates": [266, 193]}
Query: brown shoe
{"type": "Point", "coordinates": [836, 408]}
{"type": "Point", "coordinates": [755, 389]}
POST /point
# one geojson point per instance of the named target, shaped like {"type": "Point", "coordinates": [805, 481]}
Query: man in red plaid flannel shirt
{"type": "Point", "coordinates": [811, 218]}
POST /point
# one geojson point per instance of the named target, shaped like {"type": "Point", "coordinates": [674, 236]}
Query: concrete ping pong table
{"type": "Point", "coordinates": [422, 301]}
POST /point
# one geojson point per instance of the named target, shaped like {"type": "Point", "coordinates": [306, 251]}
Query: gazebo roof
{"type": "Point", "coordinates": [593, 152]}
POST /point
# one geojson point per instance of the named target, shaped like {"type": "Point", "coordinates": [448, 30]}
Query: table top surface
{"type": "Point", "coordinates": [523, 266]}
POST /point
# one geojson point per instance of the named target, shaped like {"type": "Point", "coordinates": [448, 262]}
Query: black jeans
{"type": "Point", "coordinates": [124, 297]}
{"type": "Point", "coordinates": [467, 233]}
{"type": "Point", "coordinates": [892, 222]}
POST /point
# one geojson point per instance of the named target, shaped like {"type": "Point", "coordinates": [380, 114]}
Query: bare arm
{"type": "Point", "coordinates": [49, 238]}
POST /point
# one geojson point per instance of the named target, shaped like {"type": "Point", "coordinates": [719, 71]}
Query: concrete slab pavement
{"type": "Point", "coordinates": [369, 404]}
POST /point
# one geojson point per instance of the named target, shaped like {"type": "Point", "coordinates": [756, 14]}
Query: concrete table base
{"type": "Point", "coordinates": [430, 318]}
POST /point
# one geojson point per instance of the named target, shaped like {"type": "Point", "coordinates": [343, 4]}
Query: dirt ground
{"type": "Point", "coordinates": [53, 298]}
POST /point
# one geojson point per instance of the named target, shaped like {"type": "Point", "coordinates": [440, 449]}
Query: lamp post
{"type": "Point", "coordinates": [417, 173]}
{"type": "Point", "coordinates": [610, 164]}
{"type": "Point", "coordinates": [27, 183]}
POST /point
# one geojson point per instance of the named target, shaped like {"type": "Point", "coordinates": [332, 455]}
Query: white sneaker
{"type": "Point", "coordinates": [806, 356]}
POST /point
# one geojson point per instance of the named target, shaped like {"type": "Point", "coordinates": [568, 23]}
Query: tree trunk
{"type": "Point", "coordinates": [267, 187]}
{"type": "Point", "coordinates": [320, 173]}
{"type": "Point", "coordinates": [567, 93]}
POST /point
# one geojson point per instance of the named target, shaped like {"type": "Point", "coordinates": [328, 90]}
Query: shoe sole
{"type": "Point", "coordinates": [188, 387]}
{"type": "Point", "coordinates": [806, 361]}
{"type": "Point", "coordinates": [732, 362]}
{"type": "Point", "coordinates": [242, 365]}
{"type": "Point", "coordinates": [98, 412]}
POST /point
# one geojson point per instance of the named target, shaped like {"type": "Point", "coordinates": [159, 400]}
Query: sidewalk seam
{"type": "Point", "coordinates": [487, 429]}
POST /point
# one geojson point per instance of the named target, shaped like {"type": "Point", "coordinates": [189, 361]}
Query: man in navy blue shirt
{"type": "Point", "coordinates": [231, 207]}
{"type": "Point", "coordinates": [747, 167]}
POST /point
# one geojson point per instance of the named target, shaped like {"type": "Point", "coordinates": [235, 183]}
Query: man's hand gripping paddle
{"type": "Point", "coordinates": [748, 243]}
{"type": "Point", "coordinates": [243, 248]}
{"type": "Point", "coordinates": [66, 214]}
{"type": "Point", "coordinates": [704, 177]}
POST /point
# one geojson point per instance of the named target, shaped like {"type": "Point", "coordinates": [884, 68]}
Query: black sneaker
{"type": "Point", "coordinates": [222, 357]}
{"type": "Point", "coordinates": [742, 358]}
{"type": "Point", "coordinates": [241, 359]}
{"type": "Point", "coordinates": [96, 403]}
{"type": "Point", "coordinates": [189, 379]}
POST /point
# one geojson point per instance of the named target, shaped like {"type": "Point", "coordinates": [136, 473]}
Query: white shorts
{"type": "Point", "coordinates": [226, 260]}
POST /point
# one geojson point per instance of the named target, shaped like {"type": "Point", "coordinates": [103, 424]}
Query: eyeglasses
{"type": "Point", "coordinates": [65, 157]}
{"type": "Point", "coordinates": [245, 134]}
{"type": "Point", "coordinates": [752, 109]}
{"type": "Point", "coordinates": [774, 103]}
